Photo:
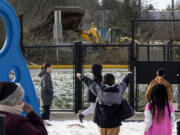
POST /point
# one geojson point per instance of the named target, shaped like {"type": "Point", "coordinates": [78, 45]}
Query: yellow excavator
{"type": "Point", "coordinates": [97, 35]}
{"type": "Point", "coordinates": [92, 35]}
{"type": "Point", "coordinates": [103, 35]}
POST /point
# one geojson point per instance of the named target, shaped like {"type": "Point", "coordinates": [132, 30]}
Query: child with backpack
{"type": "Point", "coordinates": [109, 101]}
{"type": "Point", "coordinates": [159, 112]}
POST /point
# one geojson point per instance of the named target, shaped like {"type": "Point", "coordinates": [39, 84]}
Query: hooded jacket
{"type": "Point", "coordinates": [43, 72]}
{"type": "Point", "coordinates": [160, 80]}
{"type": "Point", "coordinates": [46, 88]}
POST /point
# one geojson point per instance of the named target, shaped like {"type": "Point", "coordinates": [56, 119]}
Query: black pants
{"type": "Point", "coordinates": [46, 112]}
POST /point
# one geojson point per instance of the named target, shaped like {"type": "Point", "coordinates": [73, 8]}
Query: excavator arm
{"type": "Point", "coordinates": [91, 35]}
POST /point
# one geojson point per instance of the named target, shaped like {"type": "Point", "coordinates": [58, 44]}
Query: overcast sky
{"type": "Point", "coordinates": [160, 4]}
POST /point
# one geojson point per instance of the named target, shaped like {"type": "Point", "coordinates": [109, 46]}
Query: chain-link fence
{"type": "Point", "coordinates": [166, 53]}
{"type": "Point", "coordinates": [113, 58]}
{"type": "Point", "coordinates": [155, 45]}
{"type": "Point", "coordinates": [68, 92]}
{"type": "Point", "coordinates": [62, 75]}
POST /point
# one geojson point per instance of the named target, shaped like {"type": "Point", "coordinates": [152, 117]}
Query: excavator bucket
{"type": "Point", "coordinates": [70, 17]}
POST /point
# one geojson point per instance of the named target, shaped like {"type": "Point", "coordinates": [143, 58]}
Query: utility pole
{"type": "Point", "coordinates": [139, 28]}
{"type": "Point", "coordinates": [172, 5]}
{"type": "Point", "coordinates": [57, 31]}
{"type": "Point", "coordinates": [173, 27]}
{"type": "Point", "coordinates": [139, 1]}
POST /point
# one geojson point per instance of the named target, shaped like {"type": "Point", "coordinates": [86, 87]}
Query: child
{"type": "Point", "coordinates": [159, 112]}
{"type": "Point", "coordinates": [97, 73]}
{"type": "Point", "coordinates": [109, 97]}
{"type": "Point", "coordinates": [160, 78]}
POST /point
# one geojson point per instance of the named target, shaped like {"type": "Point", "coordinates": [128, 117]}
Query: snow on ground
{"type": "Point", "coordinates": [89, 128]}
{"type": "Point", "coordinates": [64, 85]}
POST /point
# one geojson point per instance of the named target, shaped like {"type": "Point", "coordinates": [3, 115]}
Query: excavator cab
{"type": "Point", "coordinates": [109, 35]}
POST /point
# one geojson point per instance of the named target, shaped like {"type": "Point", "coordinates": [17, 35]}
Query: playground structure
{"type": "Point", "coordinates": [11, 58]}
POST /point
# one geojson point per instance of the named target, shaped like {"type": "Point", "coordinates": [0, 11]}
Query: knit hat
{"type": "Point", "coordinates": [11, 94]}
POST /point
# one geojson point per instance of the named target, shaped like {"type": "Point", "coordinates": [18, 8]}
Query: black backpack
{"type": "Point", "coordinates": [112, 116]}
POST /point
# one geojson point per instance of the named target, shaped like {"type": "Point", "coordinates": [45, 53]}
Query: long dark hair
{"type": "Point", "coordinates": [158, 99]}
{"type": "Point", "coordinates": [97, 72]}
{"type": "Point", "coordinates": [45, 66]}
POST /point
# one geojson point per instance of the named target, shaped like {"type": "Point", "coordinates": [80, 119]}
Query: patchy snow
{"type": "Point", "coordinates": [64, 85]}
{"type": "Point", "coordinates": [90, 128]}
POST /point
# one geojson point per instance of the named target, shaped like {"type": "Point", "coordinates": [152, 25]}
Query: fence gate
{"type": "Point", "coordinates": [146, 59]}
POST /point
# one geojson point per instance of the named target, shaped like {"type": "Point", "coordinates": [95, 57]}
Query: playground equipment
{"type": "Point", "coordinates": [11, 58]}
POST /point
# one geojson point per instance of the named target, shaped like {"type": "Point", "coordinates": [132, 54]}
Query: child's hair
{"type": "Point", "coordinates": [160, 72]}
{"type": "Point", "coordinates": [109, 79]}
{"type": "Point", "coordinates": [158, 99]}
{"type": "Point", "coordinates": [97, 72]}
{"type": "Point", "coordinates": [45, 66]}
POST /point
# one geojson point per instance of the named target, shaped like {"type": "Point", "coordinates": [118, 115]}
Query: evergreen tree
{"type": "Point", "coordinates": [128, 10]}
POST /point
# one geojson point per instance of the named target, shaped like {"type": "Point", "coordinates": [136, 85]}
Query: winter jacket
{"type": "Point", "coordinates": [160, 80]}
{"type": "Point", "coordinates": [46, 88]}
{"type": "Point", "coordinates": [107, 116]}
{"type": "Point", "coordinates": [19, 125]}
{"type": "Point", "coordinates": [108, 101]}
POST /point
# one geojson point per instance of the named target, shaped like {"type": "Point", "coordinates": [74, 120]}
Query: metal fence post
{"type": "Point", "coordinates": [78, 84]}
{"type": "Point", "coordinates": [131, 66]}
{"type": "Point", "coordinates": [2, 124]}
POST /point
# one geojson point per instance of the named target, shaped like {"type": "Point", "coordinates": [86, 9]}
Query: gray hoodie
{"type": "Point", "coordinates": [46, 88]}
{"type": "Point", "coordinates": [43, 72]}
